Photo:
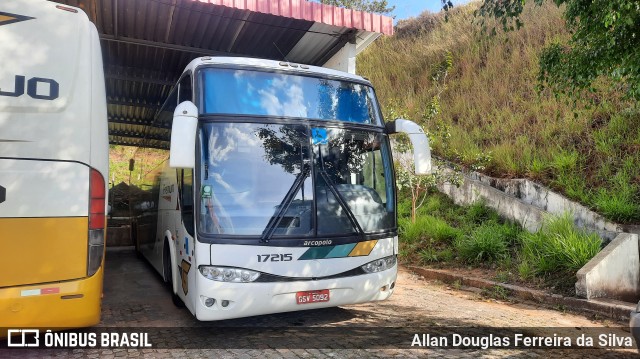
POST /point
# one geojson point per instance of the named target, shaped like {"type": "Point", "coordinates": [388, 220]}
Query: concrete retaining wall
{"type": "Point", "coordinates": [471, 191]}
{"type": "Point", "coordinates": [614, 272]}
{"type": "Point", "coordinates": [526, 202]}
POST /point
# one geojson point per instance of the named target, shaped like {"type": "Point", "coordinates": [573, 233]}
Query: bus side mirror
{"type": "Point", "coordinates": [419, 140]}
{"type": "Point", "coordinates": [182, 153]}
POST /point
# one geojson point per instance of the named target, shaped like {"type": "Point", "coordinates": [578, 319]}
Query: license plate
{"type": "Point", "coordinates": [312, 296]}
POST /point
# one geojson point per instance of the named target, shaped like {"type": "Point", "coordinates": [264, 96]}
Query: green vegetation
{"type": "Point", "coordinates": [604, 43]}
{"type": "Point", "coordinates": [375, 6]}
{"type": "Point", "coordinates": [556, 252]}
{"type": "Point", "coordinates": [147, 159]}
{"type": "Point", "coordinates": [487, 243]}
{"type": "Point", "coordinates": [497, 292]}
{"type": "Point", "coordinates": [489, 115]}
{"type": "Point", "coordinates": [557, 248]}
{"type": "Point", "coordinates": [445, 234]}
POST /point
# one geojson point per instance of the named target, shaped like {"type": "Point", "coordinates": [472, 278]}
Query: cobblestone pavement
{"type": "Point", "coordinates": [135, 298]}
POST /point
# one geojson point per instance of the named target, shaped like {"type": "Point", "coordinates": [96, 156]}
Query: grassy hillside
{"type": "Point", "coordinates": [489, 108]}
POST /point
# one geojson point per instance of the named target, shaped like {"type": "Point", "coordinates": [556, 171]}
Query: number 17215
{"type": "Point", "coordinates": [275, 257]}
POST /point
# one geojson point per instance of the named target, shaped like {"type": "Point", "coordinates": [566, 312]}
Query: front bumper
{"type": "Point", "coordinates": [249, 299]}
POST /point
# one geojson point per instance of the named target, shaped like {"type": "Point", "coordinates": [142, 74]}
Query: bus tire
{"type": "Point", "coordinates": [176, 300]}
{"type": "Point", "coordinates": [133, 232]}
{"type": "Point", "coordinates": [168, 277]}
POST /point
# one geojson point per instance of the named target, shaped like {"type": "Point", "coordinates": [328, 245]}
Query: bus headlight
{"type": "Point", "coordinates": [379, 264]}
{"type": "Point", "coordinates": [229, 274]}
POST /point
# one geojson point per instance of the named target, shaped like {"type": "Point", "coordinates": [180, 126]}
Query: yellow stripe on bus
{"type": "Point", "coordinates": [363, 248]}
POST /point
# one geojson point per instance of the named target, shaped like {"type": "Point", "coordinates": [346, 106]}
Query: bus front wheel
{"type": "Point", "coordinates": [169, 275]}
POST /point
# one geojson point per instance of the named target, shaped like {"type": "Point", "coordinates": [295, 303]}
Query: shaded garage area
{"type": "Point", "coordinates": [147, 43]}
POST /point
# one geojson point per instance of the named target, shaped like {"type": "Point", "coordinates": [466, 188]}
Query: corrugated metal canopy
{"type": "Point", "coordinates": [147, 43]}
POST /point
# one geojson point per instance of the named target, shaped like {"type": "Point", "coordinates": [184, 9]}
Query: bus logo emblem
{"type": "Point", "coordinates": [20, 337]}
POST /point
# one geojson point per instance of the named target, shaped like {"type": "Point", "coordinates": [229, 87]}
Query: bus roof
{"type": "Point", "coordinates": [272, 65]}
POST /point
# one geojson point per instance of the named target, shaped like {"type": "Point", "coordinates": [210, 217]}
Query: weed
{"type": "Point", "coordinates": [619, 204]}
{"type": "Point", "coordinates": [496, 292]}
{"type": "Point", "coordinates": [428, 255]}
{"type": "Point", "coordinates": [446, 255]}
{"type": "Point", "coordinates": [457, 284]}
{"type": "Point", "coordinates": [404, 209]}
{"type": "Point", "coordinates": [432, 205]}
{"type": "Point", "coordinates": [426, 227]}
{"type": "Point", "coordinates": [574, 186]}
{"type": "Point", "coordinates": [526, 270]}
{"type": "Point", "coordinates": [487, 243]}
{"type": "Point", "coordinates": [433, 255]}
{"type": "Point", "coordinates": [538, 168]}
{"type": "Point", "coordinates": [564, 161]}
{"type": "Point", "coordinates": [478, 212]}
{"type": "Point", "coordinates": [403, 253]}
{"type": "Point", "coordinates": [558, 247]}
{"type": "Point", "coordinates": [502, 277]}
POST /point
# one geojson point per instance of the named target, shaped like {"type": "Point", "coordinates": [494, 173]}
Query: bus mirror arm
{"type": "Point", "coordinates": [419, 141]}
{"type": "Point", "coordinates": [182, 153]}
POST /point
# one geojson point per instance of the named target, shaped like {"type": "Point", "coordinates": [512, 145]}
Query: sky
{"type": "Point", "coordinates": [411, 8]}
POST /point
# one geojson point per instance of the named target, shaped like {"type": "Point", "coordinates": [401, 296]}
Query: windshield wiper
{"type": "Point", "coordinates": [286, 202]}
{"type": "Point", "coordinates": [341, 201]}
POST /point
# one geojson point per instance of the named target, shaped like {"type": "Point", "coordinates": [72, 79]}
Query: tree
{"type": "Point", "coordinates": [374, 6]}
{"type": "Point", "coordinates": [605, 41]}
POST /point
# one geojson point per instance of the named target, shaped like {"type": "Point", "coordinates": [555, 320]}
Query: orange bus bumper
{"type": "Point", "coordinates": [70, 304]}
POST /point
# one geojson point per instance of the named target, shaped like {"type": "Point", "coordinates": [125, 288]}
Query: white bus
{"type": "Point", "coordinates": [53, 163]}
{"type": "Point", "coordinates": [279, 194]}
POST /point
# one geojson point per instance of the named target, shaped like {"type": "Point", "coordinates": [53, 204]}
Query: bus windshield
{"type": "Point", "coordinates": [281, 180]}
{"type": "Point", "coordinates": [257, 93]}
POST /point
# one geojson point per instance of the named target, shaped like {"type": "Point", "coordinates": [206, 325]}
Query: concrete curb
{"type": "Point", "coordinates": [612, 309]}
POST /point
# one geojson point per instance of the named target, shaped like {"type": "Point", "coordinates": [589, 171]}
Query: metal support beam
{"type": "Point", "coordinates": [140, 79]}
{"type": "Point", "coordinates": [345, 38]}
{"type": "Point", "coordinates": [144, 75]}
{"type": "Point", "coordinates": [163, 45]}
{"type": "Point", "coordinates": [140, 135]}
{"type": "Point", "coordinates": [123, 142]}
{"type": "Point", "coordinates": [137, 122]}
{"type": "Point", "coordinates": [115, 18]}
{"type": "Point", "coordinates": [170, 24]}
{"type": "Point", "coordinates": [152, 106]}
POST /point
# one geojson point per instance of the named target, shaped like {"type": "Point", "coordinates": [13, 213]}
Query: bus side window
{"type": "Point", "coordinates": [184, 90]}
{"type": "Point", "coordinates": [186, 199]}
{"type": "Point", "coordinates": [165, 116]}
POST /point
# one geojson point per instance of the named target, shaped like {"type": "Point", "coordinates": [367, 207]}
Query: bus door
{"type": "Point", "coordinates": [185, 239]}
